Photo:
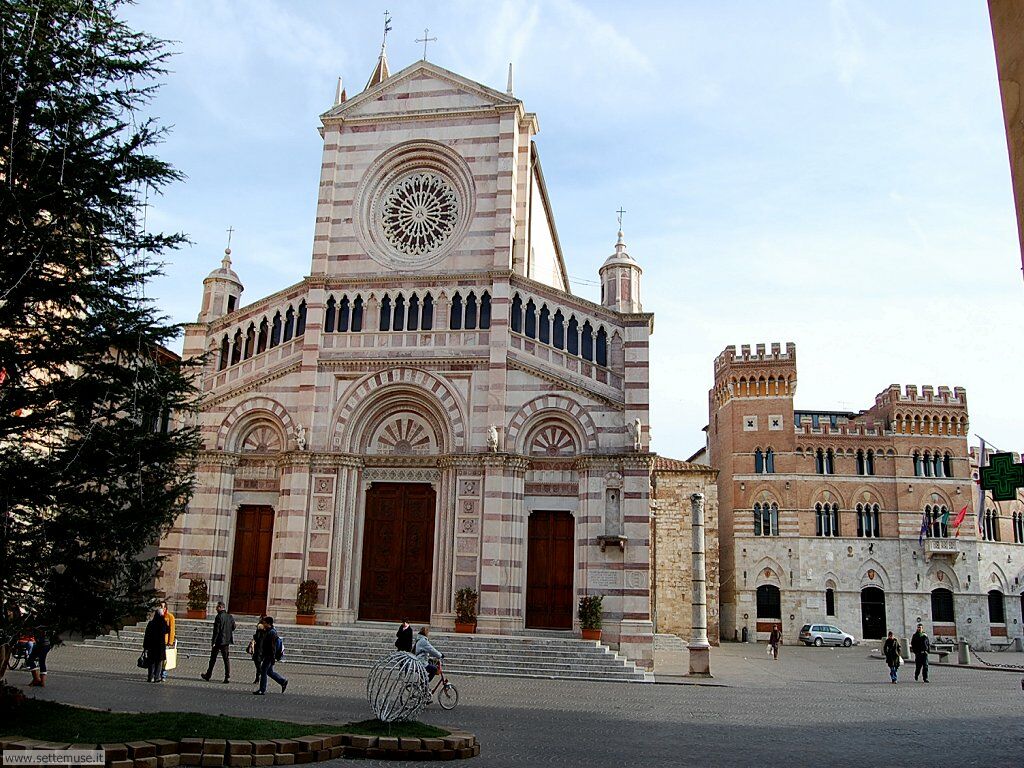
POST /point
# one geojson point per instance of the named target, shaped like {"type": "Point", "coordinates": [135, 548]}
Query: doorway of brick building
{"type": "Point", "coordinates": [872, 613]}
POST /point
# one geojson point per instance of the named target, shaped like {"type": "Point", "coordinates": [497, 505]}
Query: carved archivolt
{"type": "Point", "coordinates": [236, 427]}
{"type": "Point", "coordinates": [558, 409]}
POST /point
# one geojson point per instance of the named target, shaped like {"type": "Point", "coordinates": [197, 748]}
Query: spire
{"type": "Point", "coordinates": [380, 72]}
{"type": "Point", "coordinates": [340, 95]}
{"type": "Point", "coordinates": [508, 88]}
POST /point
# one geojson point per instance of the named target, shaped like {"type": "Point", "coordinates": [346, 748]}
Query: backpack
{"type": "Point", "coordinates": [278, 647]}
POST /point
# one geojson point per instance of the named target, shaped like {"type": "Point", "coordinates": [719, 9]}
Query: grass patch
{"type": "Point", "coordinates": [51, 721]}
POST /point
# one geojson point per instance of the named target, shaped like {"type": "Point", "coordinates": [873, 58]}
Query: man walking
{"type": "Point", "coordinates": [920, 645]}
{"type": "Point", "coordinates": [223, 638]}
{"type": "Point", "coordinates": [271, 655]}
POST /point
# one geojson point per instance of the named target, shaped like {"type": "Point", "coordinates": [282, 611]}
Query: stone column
{"type": "Point", "coordinates": [700, 648]}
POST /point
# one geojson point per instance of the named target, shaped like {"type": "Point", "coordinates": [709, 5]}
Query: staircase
{"type": "Point", "coordinates": [358, 646]}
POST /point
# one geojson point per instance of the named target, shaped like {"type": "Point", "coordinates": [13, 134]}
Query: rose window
{"type": "Point", "coordinates": [419, 213]}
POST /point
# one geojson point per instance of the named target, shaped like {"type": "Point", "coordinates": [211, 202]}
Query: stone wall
{"type": "Point", "coordinates": [672, 572]}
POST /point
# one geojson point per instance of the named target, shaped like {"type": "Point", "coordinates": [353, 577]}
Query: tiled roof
{"type": "Point", "coordinates": [665, 464]}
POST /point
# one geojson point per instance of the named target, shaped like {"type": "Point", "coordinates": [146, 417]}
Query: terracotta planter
{"type": "Point", "coordinates": [591, 634]}
{"type": "Point", "coordinates": [198, 614]}
{"type": "Point", "coordinates": [307, 619]}
{"type": "Point", "coordinates": [467, 628]}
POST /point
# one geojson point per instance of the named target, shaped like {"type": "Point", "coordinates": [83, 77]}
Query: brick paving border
{"type": "Point", "coordinates": [240, 753]}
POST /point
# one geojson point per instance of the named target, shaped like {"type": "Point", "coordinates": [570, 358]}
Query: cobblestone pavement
{"type": "Point", "coordinates": [832, 707]}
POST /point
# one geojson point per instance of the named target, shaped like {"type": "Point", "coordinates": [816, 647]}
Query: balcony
{"type": "Point", "coordinates": [943, 547]}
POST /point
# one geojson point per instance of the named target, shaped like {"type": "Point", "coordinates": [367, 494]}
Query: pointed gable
{"type": "Point", "coordinates": [421, 87]}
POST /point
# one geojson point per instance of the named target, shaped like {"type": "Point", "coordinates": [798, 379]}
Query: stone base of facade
{"type": "Point", "coordinates": [636, 642]}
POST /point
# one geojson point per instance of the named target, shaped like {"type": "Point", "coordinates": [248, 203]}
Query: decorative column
{"type": "Point", "coordinates": [700, 648]}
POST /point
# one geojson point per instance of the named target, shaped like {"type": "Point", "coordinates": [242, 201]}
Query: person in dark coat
{"type": "Point", "coordinates": [256, 644]}
{"type": "Point", "coordinates": [223, 639]}
{"type": "Point", "coordinates": [154, 643]}
{"type": "Point", "coordinates": [891, 651]}
{"type": "Point", "coordinates": [920, 645]}
{"type": "Point", "coordinates": [404, 641]}
{"type": "Point", "coordinates": [36, 661]}
{"type": "Point", "coordinates": [775, 640]}
{"type": "Point", "coordinates": [269, 659]}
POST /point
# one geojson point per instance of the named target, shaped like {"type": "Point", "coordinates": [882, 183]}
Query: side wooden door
{"type": "Point", "coordinates": [549, 578]}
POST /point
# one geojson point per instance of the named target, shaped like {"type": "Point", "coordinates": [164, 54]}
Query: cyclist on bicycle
{"type": "Point", "coordinates": [425, 652]}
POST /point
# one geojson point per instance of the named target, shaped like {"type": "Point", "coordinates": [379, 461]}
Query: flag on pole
{"type": "Point", "coordinates": [945, 521]}
{"type": "Point", "coordinates": [981, 491]}
{"type": "Point", "coordinates": [958, 520]}
{"type": "Point", "coordinates": [924, 527]}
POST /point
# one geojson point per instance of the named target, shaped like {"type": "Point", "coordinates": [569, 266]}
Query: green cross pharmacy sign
{"type": "Point", "coordinates": [1002, 477]}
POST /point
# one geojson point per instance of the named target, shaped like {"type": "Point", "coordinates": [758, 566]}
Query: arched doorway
{"type": "Point", "coordinates": [769, 607]}
{"type": "Point", "coordinates": [872, 613]}
{"type": "Point", "coordinates": [398, 553]}
{"type": "Point", "coordinates": [943, 616]}
{"type": "Point", "coordinates": [549, 570]}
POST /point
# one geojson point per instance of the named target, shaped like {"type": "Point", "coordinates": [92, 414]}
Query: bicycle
{"type": "Point", "coordinates": [446, 693]}
{"type": "Point", "coordinates": [19, 654]}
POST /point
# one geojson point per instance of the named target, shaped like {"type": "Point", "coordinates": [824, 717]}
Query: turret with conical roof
{"type": "Point", "coordinates": [620, 280]}
{"type": "Point", "coordinates": [222, 290]}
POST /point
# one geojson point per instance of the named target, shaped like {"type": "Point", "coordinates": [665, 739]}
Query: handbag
{"type": "Point", "coordinates": [769, 650]}
{"type": "Point", "coordinates": [143, 661]}
{"type": "Point", "coordinates": [251, 647]}
{"type": "Point", "coordinates": [172, 658]}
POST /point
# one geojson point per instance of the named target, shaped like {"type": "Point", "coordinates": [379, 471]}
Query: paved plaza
{"type": "Point", "coordinates": [815, 706]}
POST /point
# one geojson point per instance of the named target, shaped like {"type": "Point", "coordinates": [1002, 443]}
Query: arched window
{"type": "Point", "coordinates": [275, 330]}
{"type": "Point", "coordinates": [471, 312]}
{"type": "Point", "coordinates": [990, 528]}
{"type": "Point", "coordinates": [398, 324]}
{"type": "Point", "coordinates": [928, 465]}
{"type": "Point", "coordinates": [918, 465]}
{"type": "Point", "coordinates": [867, 521]}
{"type": "Point", "coordinates": [996, 607]}
{"type": "Point", "coordinates": [939, 466]}
{"type": "Point", "coordinates": [261, 337]}
{"type": "Point", "coordinates": [413, 323]}
{"type": "Point", "coordinates": [769, 461]}
{"type": "Point", "coordinates": [947, 465]}
{"type": "Point", "coordinates": [236, 348]}
{"type": "Point", "coordinates": [830, 602]}
{"type": "Point", "coordinates": [300, 321]}
{"type": "Point", "coordinates": [343, 315]}
{"type": "Point", "coordinates": [938, 517]}
{"type": "Point", "coordinates": [330, 310]}
{"type": "Point", "coordinates": [289, 324]}
{"type": "Point", "coordinates": [517, 314]}
{"type": "Point", "coordinates": [572, 343]}
{"type": "Point", "coordinates": [544, 332]}
{"type": "Point", "coordinates": [385, 313]}
{"type": "Point", "coordinates": [427, 318]}
{"type": "Point", "coordinates": [357, 314]}
{"type": "Point", "coordinates": [830, 462]}
{"type": "Point", "coordinates": [225, 353]}
{"type": "Point", "coordinates": [530, 326]}
{"type": "Point", "coordinates": [558, 330]}
{"type": "Point", "coordinates": [769, 603]}
{"type": "Point", "coordinates": [861, 468]}
{"type": "Point", "coordinates": [250, 341]}
{"type": "Point", "coordinates": [869, 462]}
{"type": "Point", "coordinates": [587, 342]}
{"type": "Point", "coordinates": [758, 461]}
{"type": "Point", "coordinates": [766, 519]}
{"type": "Point", "coordinates": [485, 311]}
{"type": "Point", "coordinates": [826, 519]}
{"type": "Point", "coordinates": [1018, 527]}
{"type": "Point", "coordinates": [942, 606]}
{"type": "Point", "coordinates": [455, 322]}
{"type": "Point", "coordinates": [601, 352]}
{"type": "Point", "coordinates": [819, 461]}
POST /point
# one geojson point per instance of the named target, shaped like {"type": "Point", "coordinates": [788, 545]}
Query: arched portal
{"type": "Point", "coordinates": [872, 613]}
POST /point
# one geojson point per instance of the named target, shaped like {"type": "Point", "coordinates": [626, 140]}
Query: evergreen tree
{"type": "Point", "coordinates": [96, 447]}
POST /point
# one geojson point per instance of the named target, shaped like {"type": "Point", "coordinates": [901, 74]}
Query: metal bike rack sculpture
{"type": "Point", "coordinates": [397, 687]}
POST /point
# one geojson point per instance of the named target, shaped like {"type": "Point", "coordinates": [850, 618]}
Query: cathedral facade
{"type": "Point", "coordinates": [431, 408]}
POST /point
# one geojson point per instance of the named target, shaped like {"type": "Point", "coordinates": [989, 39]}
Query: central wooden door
{"type": "Point", "coordinates": [549, 567]}
{"type": "Point", "coordinates": [250, 565]}
{"type": "Point", "coordinates": [398, 553]}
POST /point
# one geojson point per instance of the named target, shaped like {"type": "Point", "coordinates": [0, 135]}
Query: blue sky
{"type": "Point", "coordinates": [829, 173]}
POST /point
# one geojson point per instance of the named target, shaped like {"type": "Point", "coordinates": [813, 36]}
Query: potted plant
{"type": "Point", "coordinates": [305, 602]}
{"type": "Point", "coordinates": [465, 610]}
{"type": "Point", "coordinates": [589, 614]}
{"type": "Point", "coordinates": [198, 597]}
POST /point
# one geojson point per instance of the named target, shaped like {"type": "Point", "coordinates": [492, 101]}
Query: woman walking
{"type": "Point", "coordinates": [893, 658]}
{"type": "Point", "coordinates": [256, 649]}
{"type": "Point", "coordinates": [154, 643]}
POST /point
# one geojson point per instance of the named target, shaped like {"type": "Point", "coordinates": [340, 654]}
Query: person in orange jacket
{"type": "Point", "coordinates": [169, 638]}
